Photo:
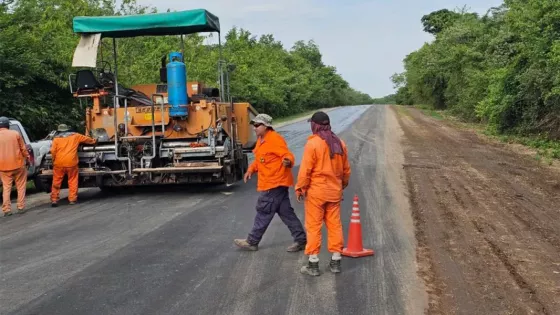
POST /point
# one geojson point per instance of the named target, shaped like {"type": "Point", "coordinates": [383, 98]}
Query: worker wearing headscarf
{"type": "Point", "coordinates": [323, 175]}
{"type": "Point", "coordinates": [64, 152]}
{"type": "Point", "coordinates": [273, 164]}
{"type": "Point", "coordinates": [13, 155]}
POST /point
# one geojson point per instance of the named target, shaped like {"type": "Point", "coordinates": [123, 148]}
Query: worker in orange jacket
{"type": "Point", "coordinates": [323, 175]}
{"type": "Point", "coordinates": [64, 151]}
{"type": "Point", "coordinates": [13, 156]}
{"type": "Point", "coordinates": [273, 164]}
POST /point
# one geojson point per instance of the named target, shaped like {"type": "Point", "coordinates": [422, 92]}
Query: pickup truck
{"type": "Point", "coordinates": [37, 149]}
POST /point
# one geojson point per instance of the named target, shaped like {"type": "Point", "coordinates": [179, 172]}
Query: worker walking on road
{"type": "Point", "coordinates": [64, 151]}
{"type": "Point", "coordinates": [273, 164]}
{"type": "Point", "coordinates": [13, 157]}
{"type": "Point", "coordinates": [323, 175]}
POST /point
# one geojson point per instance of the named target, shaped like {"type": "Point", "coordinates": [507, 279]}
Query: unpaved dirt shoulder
{"type": "Point", "coordinates": [487, 221]}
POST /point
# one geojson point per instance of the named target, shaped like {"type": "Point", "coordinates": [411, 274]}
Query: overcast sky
{"type": "Point", "coordinates": [366, 40]}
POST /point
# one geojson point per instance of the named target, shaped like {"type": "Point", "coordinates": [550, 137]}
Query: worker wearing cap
{"type": "Point", "coordinates": [13, 155]}
{"type": "Point", "coordinates": [323, 175]}
{"type": "Point", "coordinates": [64, 151]}
{"type": "Point", "coordinates": [273, 164]}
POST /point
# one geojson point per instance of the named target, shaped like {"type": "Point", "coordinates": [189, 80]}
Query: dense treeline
{"type": "Point", "coordinates": [502, 68]}
{"type": "Point", "coordinates": [37, 44]}
{"type": "Point", "coordinates": [389, 99]}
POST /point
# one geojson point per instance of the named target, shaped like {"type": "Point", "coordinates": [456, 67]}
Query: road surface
{"type": "Point", "coordinates": [170, 250]}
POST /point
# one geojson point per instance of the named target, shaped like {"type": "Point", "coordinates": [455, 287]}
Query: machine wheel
{"type": "Point", "coordinates": [41, 185]}
{"type": "Point", "coordinates": [245, 162]}
{"type": "Point", "coordinates": [242, 167]}
{"type": "Point", "coordinates": [109, 190]}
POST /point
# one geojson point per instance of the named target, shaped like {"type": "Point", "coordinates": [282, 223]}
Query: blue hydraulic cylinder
{"type": "Point", "coordinates": [177, 85]}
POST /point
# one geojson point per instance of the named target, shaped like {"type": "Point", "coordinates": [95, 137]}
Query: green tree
{"type": "Point", "coordinates": [501, 68]}
{"type": "Point", "coordinates": [437, 21]}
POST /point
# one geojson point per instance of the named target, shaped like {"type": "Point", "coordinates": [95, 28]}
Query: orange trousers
{"type": "Point", "coordinates": [318, 211]}
{"type": "Point", "coordinates": [58, 175]}
{"type": "Point", "coordinates": [19, 176]}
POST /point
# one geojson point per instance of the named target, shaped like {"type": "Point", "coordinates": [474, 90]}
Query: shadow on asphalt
{"type": "Point", "coordinates": [172, 190]}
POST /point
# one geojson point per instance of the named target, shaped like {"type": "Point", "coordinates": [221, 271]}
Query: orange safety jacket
{"type": "Point", "coordinates": [13, 152]}
{"type": "Point", "coordinates": [320, 175]}
{"type": "Point", "coordinates": [269, 153]}
{"type": "Point", "coordinates": [64, 149]}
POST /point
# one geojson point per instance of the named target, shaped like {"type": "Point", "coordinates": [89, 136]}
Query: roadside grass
{"type": "Point", "coordinates": [546, 151]}
{"type": "Point", "coordinates": [401, 110]}
{"type": "Point", "coordinates": [284, 119]}
{"type": "Point", "coordinates": [427, 110]}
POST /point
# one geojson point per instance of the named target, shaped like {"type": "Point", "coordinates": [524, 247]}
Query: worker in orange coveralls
{"type": "Point", "coordinates": [273, 164]}
{"type": "Point", "coordinates": [64, 151]}
{"type": "Point", "coordinates": [13, 156]}
{"type": "Point", "coordinates": [323, 175]}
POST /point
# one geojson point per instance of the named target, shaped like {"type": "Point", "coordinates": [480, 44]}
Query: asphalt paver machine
{"type": "Point", "coordinates": [174, 131]}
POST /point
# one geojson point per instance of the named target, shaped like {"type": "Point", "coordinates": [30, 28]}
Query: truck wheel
{"type": "Point", "coordinates": [106, 189]}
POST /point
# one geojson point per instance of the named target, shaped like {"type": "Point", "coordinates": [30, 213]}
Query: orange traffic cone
{"type": "Point", "coordinates": [355, 247]}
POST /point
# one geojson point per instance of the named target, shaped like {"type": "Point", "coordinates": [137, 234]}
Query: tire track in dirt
{"type": "Point", "coordinates": [486, 222]}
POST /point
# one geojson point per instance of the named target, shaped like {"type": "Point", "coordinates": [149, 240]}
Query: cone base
{"type": "Point", "coordinates": [364, 252]}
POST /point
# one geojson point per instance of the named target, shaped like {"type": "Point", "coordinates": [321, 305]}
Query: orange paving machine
{"type": "Point", "coordinates": [175, 131]}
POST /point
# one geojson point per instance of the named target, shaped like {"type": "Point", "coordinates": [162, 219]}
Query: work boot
{"type": "Point", "coordinates": [7, 213]}
{"type": "Point", "coordinates": [312, 269]}
{"type": "Point", "coordinates": [245, 245]}
{"type": "Point", "coordinates": [334, 265]}
{"type": "Point", "coordinates": [296, 247]}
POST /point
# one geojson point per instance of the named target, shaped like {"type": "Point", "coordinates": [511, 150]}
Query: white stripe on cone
{"type": "Point", "coordinates": [355, 218]}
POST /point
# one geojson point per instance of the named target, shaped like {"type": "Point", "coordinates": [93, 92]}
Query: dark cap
{"type": "Point", "coordinates": [320, 118]}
